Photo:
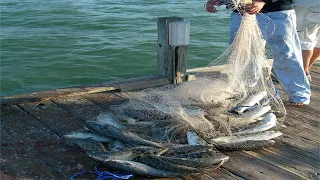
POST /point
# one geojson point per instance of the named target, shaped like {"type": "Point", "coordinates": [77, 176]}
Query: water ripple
{"type": "Point", "coordinates": [54, 44]}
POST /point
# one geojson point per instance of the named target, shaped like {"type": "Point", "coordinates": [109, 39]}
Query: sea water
{"type": "Point", "coordinates": [54, 44]}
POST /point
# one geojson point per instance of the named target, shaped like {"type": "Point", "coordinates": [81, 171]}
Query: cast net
{"type": "Point", "coordinates": [183, 129]}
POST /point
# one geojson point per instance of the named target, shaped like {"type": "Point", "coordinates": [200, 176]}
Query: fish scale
{"type": "Point", "coordinates": [115, 133]}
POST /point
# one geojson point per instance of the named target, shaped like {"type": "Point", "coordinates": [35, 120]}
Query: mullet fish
{"type": "Point", "coordinates": [249, 116]}
{"type": "Point", "coordinates": [139, 168]}
{"type": "Point", "coordinates": [250, 102]}
{"type": "Point", "coordinates": [266, 135]}
{"type": "Point", "coordinates": [86, 135]}
{"type": "Point", "coordinates": [269, 121]}
{"type": "Point", "coordinates": [159, 163]}
{"type": "Point", "coordinates": [121, 134]}
{"type": "Point", "coordinates": [243, 146]}
{"type": "Point", "coordinates": [208, 161]}
{"type": "Point", "coordinates": [126, 155]}
{"type": "Point", "coordinates": [109, 119]}
{"type": "Point", "coordinates": [194, 139]}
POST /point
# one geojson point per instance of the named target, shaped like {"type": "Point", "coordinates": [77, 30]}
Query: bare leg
{"type": "Point", "coordinates": [306, 55]}
{"type": "Point", "coordinates": [314, 58]}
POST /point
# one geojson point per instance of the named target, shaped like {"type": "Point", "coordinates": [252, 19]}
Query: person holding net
{"type": "Point", "coordinates": [277, 22]}
{"type": "Point", "coordinates": [308, 26]}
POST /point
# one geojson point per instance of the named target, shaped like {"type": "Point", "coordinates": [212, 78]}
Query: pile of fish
{"type": "Point", "coordinates": [126, 143]}
{"type": "Point", "coordinates": [107, 141]}
{"type": "Point", "coordinates": [253, 125]}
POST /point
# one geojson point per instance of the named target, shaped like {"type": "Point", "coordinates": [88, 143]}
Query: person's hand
{"type": "Point", "coordinates": [210, 5]}
{"type": "Point", "coordinates": [255, 7]}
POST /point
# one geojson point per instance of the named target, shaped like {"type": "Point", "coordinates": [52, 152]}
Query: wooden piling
{"type": "Point", "coordinates": [171, 60]}
{"type": "Point", "coordinates": [181, 63]}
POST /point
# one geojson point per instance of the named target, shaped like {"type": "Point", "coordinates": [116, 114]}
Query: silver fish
{"type": "Point", "coordinates": [121, 134]}
{"type": "Point", "coordinates": [266, 135]}
{"type": "Point", "coordinates": [159, 163]}
{"type": "Point", "coordinates": [109, 119]}
{"type": "Point", "coordinates": [250, 101]}
{"type": "Point", "coordinates": [136, 122]}
{"type": "Point", "coordinates": [88, 145]}
{"type": "Point", "coordinates": [210, 160]}
{"type": "Point", "coordinates": [119, 155]}
{"type": "Point", "coordinates": [249, 116]}
{"type": "Point", "coordinates": [116, 146]}
{"type": "Point", "coordinates": [148, 150]}
{"type": "Point", "coordinates": [187, 151]}
{"type": "Point", "coordinates": [145, 114]}
{"type": "Point", "coordinates": [243, 146]}
{"type": "Point", "coordinates": [139, 168]}
{"type": "Point", "coordinates": [86, 135]}
{"type": "Point", "coordinates": [269, 121]}
{"type": "Point", "coordinates": [194, 139]}
{"type": "Point", "coordinates": [192, 111]}
{"type": "Point", "coordinates": [129, 120]}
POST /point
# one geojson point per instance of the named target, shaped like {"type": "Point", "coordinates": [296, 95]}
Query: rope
{"type": "Point", "coordinates": [103, 175]}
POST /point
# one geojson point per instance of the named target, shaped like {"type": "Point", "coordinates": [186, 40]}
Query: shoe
{"type": "Point", "coordinates": [309, 77]}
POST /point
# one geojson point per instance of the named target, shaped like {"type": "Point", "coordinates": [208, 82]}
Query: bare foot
{"type": "Point", "coordinates": [296, 103]}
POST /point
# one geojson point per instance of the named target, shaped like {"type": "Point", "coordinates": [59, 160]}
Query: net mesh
{"type": "Point", "coordinates": [183, 129]}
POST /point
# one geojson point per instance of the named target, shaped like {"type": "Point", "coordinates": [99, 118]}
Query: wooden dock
{"type": "Point", "coordinates": [32, 126]}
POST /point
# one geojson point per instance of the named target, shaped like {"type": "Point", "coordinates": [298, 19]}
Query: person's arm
{"type": "Point", "coordinates": [256, 6]}
{"type": "Point", "coordinates": [210, 5]}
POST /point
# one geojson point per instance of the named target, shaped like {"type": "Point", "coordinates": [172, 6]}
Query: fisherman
{"type": "Point", "coordinates": [277, 22]}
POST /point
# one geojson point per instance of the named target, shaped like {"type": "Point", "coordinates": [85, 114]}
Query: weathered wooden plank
{"type": "Point", "coordinates": [78, 106]}
{"type": "Point", "coordinates": [302, 126]}
{"type": "Point", "coordinates": [131, 84]}
{"type": "Point", "coordinates": [219, 173]}
{"type": "Point", "coordinates": [11, 100]}
{"type": "Point", "coordinates": [149, 83]}
{"type": "Point", "coordinates": [296, 143]}
{"type": "Point", "coordinates": [53, 116]}
{"type": "Point", "coordinates": [309, 112]}
{"type": "Point", "coordinates": [299, 133]}
{"type": "Point", "coordinates": [295, 128]}
{"type": "Point", "coordinates": [105, 100]}
{"type": "Point", "coordinates": [20, 161]}
{"type": "Point", "coordinates": [47, 145]}
{"type": "Point", "coordinates": [249, 167]}
{"type": "Point", "coordinates": [303, 120]}
{"type": "Point", "coordinates": [315, 69]}
{"type": "Point", "coordinates": [37, 96]}
{"type": "Point", "coordinates": [294, 120]}
{"type": "Point", "coordinates": [298, 153]}
{"type": "Point", "coordinates": [315, 86]}
{"type": "Point", "coordinates": [315, 76]}
{"type": "Point", "coordinates": [288, 160]}
{"type": "Point", "coordinates": [100, 89]}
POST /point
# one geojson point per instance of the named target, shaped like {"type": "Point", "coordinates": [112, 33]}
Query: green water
{"type": "Point", "coordinates": [54, 44]}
